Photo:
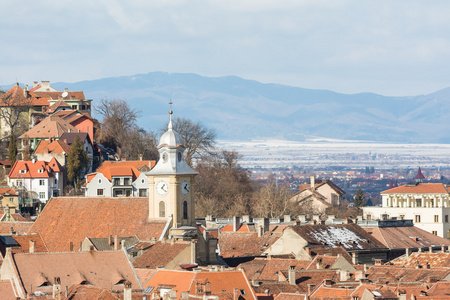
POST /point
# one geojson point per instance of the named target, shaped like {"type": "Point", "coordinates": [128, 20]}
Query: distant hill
{"type": "Point", "coordinates": [245, 109]}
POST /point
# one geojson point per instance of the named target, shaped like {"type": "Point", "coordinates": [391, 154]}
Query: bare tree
{"type": "Point", "coordinates": [118, 119]}
{"type": "Point", "coordinates": [272, 201]}
{"type": "Point", "coordinates": [197, 138]}
{"type": "Point", "coordinates": [14, 107]}
{"type": "Point", "coordinates": [140, 142]}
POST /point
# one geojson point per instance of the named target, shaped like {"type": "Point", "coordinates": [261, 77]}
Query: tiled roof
{"type": "Point", "coordinates": [349, 236]}
{"type": "Point", "coordinates": [69, 137]}
{"type": "Point", "coordinates": [438, 259]}
{"type": "Point", "coordinates": [290, 296]}
{"type": "Point", "coordinates": [15, 216]}
{"type": "Point", "coordinates": [406, 237]}
{"type": "Point", "coordinates": [159, 254]}
{"type": "Point", "coordinates": [18, 227]}
{"type": "Point", "coordinates": [58, 104]}
{"type": "Point", "coordinates": [103, 244]}
{"type": "Point", "coordinates": [420, 188]}
{"type": "Point", "coordinates": [322, 262]}
{"type": "Point", "coordinates": [53, 147]}
{"type": "Point", "coordinates": [107, 269]}
{"type": "Point", "coordinates": [404, 274]}
{"type": "Point", "coordinates": [180, 281]}
{"type": "Point", "coordinates": [24, 242]}
{"type": "Point", "coordinates": [278, 287]}
{"type": "Point", "coordinates": [38, 169]}
{"type": "Point", "coordinates": [225, 282]}
{"type": "Point", "coordinates": [305, 277]}
{"type": "Point", "coordinates": [140, 165]}
{"type": "Point", "coordinates": [6, 290]}
{"type": "Point", "coordinates": [78, 95]}
{"type": "Point", "coordinates": [268, 269]}
{"type": "Point", "coordinates": [144, 274]}
{"type": "Point", "coordinates": [331, 292]}
{"type": "Point", "coordinates": [6, 191]}
{"type": "Point", "coordinates": [71, 219]}
{"type": "Point", "coordinates": [85, 292]}
{"type": "Point", "coordinates": [242, 228]}
{"type": "Point", "coordinates": [244, 244]}
{"type": "Point", "coordinates": [50, 127]}
{"type": "Point", "coordinates": [419, 174]}
{"type": "Point", "coordinates": [15, 97]}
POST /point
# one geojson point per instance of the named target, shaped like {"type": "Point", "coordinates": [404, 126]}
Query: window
{"type": "Point", "coordinates": [42, 195]}
{"type": "Point", "coordinates": [418, 202]}
{"type": "Point", "coordinates": [99, 192]}
{"type": "Point", "coordinates": [185, 210]}
{"type": "Point", "coordinates": [436, 219]}
{"type": "Point", "coordinates": [142, 192]}
{"type": "Point", "coordinates": [446, 218]}
{"type": "Point", "coordinates": [126, 181]}
{"type": "Point", "coordinates": [143, 181]}
{"type": "Point", "coordinates": [434, 232]}
{"type": "Point", "coordinates": [56, 181]}
{"type": "Point", "coordinates": [99, 181]}
{"type": "Point", "coordinates": [116, 181]}
{"type": "Point", "coordinates": [417, 218]}
{"type": "Point", "coordinates": [74, 107]}
{"type": "Point", "coordinates": [41, 182]}
{"type": "Point", "coordinates": [401, 217]}
{"type": "Point", "coordinates": [162, 209]}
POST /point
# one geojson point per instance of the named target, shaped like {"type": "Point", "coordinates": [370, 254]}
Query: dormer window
{"type": "Point", "coordinates": [41, 171]}
{"type": "Point", "coordinates": [22, 171]}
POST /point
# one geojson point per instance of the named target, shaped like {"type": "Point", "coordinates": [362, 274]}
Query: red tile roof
{"type": "Point", "coordinates": [24, 242]}
{"type": "Point", "coordinates": [6, 290]}
{"type": "Point", "coordinates": [180, 281]}
{"type": "Point", "coordinates": [160, 254]}
{"type": "Point", "coordinates": [420, 188]}
{"type": "Point", "coordinates": [38, 169]}
{"type": "Point", "coordinates": [5, 191]}
{"type": "Point", "coordinates": [71, 219]}
{"type": "Point", "coordinates": [50, 127]}
{"type": "Point", "coordinates": [406, 237]}
{"type": "Point", "coordinates": [290, 296]}
{"type": "Point", "coordinates": [244, 244]}
{"type": "Point", "coordinates": [105, 269]}
{"type": "Point", "coordinates": [18, 227]}
{"type": "Point", "coordinates": [53, 147]}
{"type": "Point", "coordinates": [122, 168]}
{"type": "Point", "coordinates": [269, 269]}
{"type": "Point", "coordinates": [438, 259]}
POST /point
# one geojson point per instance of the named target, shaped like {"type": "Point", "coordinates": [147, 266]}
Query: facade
{"type": "Point", "coordinates": [119, 179]}
{"type": "Point", "coordinates": [10, 198]}
{"type": "Point", "coordinates": [171, 184]}
{"type": "Point", "coordinates": [427, 204]}
{"type": "Point", "coordinates": [44, 179]}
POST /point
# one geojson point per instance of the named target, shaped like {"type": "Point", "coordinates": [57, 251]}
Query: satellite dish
{"type": "Point", "coordinates": [64, 94]}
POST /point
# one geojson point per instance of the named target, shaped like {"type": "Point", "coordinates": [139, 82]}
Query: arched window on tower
{"type": "Point", "coordinates": [162, 209]}
{"type": "Point", "coordinates": [185, 210]}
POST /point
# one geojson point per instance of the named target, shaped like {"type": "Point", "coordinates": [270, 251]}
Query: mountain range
{"type": "Point", "coordinates": [241, 109]}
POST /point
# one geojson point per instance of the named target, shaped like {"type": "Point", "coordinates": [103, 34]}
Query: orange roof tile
{"type": "Point", "coordinates": [268, 269]}
{"type": "Point", "coordinates": [334, 292]}
{"type": "Point", "coordinates": [107, 269]}
{"type": "Point", "coordinates": [290, 296]}
{"type": "Point", "coordinates": [244, 244]}
{"type": "Point", "coordinates": [406, 237]}
{"type": "Point", "coordinates": [180, 281]}
{"type": "Point", "coordinates": [71, 219]}
{"type": "Point", "coordinates": [159, 254]}
{"type": "Point", "coordinates": [24, 242]}
{"type": "Point", "coordinates": [38, 169]}
{"type": "Point", "coordinates": [50, 127]}
{"type": "Point", "coordinates": [420, 188]}
{"type": "Point", "coordinates": [55, 147]}
{"type": "Point", "coordinates": [18, 227]}
{"type": "Point", "coordinates": [6, 290]}
{"type": "Point", "coordinates": [8, 191]}
{"type": "Point", "coordinates": [438, 259]}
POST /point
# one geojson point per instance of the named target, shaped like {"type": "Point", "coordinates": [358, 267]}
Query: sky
{"type": "Point", "coordinates": [393, 48]}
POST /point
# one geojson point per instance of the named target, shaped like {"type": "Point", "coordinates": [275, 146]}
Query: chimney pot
{"type": "Point", "coordinates": [236, 223]}
{"type": "Point", "coordinates": [116, 242]}
{"type": "Point", "coordinates": [32, 246]}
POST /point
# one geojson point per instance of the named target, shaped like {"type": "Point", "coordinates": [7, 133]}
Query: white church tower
{"type": "Point", "coordinates": [171, 185]}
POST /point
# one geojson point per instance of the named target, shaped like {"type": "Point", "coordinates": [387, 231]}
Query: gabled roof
{"type": "Point", "coordinates": [245, 244]}
{"type": "Point", "coordinates": [406, 237]}
{"type": "Point", "coordinates": [107, 269]}
{"type": "Point", "coordinates": [66, 220]}
{"type": "Point", "coordinates": [58, 104]}
{"type": "Point", "coordinates": [103, 244]}
{"type": "Point", "coordinates": [83, 292]}
{"type": "Point", "coordinates": [49, 127]}
{"type": "Point", "coordinates": [389, 273]}
{"type": "Point", "coordinates": [71, 95]}
{"type": "Point", "coordinates": [38, 169]}
{"type": "Point", "coordinates": [15, 97]}
{"type": "Point", "coordinates": [132, 168]}
{"type": "Point", "coordinates": [7, 191]}
{"type": "Point", "coordinates": [52, 147]}
{"type": "Point", "coordinates": [23, 242]}
{"type": "Point", "coordinates": [140, 165]}
{"type": "Point", "coordinates": [18, 227]}
{"type": "Point", "coordinates": [159, 254]}
{"type": "Point", "coordinates": [180, 281]}
{"type": "Point", "coordinates": [69, 137]}
{"type": "Point", "coordinates": [6, 290]}
{"type": "Point", "coordinates": [268, 269]}
{"type": "Point", "coordinates": [437, 259]}
{"type": "Point", "coordinates": [349, 236]}
{"type": "Point", "coordinates": [419, 188]}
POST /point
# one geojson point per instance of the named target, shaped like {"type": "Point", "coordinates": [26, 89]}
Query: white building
{"type": "Point", "coordinates": [427, 204]}
{"type": "Point", "coordinates": [119, 179]}
{"type": "Point", "coordinates": [43, 178]}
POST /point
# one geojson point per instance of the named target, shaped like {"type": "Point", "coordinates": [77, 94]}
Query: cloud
{"type": "Point", "coordinates": [347, 46]}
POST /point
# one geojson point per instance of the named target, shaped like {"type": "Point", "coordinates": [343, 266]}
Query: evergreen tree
{"type": "Point", "coordinates": [359, 197]}
{"type": "Point", "coordinates": [77, 161]}
{"type": "Point", "coordinates": [12, 149]}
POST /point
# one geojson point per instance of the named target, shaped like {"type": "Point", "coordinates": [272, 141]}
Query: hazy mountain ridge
{"type": "Point", "coordinates": [247, 109]}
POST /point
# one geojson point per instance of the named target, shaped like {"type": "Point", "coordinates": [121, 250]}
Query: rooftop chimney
{"type": "Point", "coordinates": [313, 182]}
{"type": "Point", "coordinates": [56, 291]}
{"type": "Point", "coordinates": [246, 218]}
{"type": "Point", "coordinates": [266, 225]}
{"type": "Point", "coordinates": [116, 242]}
{"type": "Point", "coordinates": [32, 246]}
{"type": "Point", "coordinates": [110, 240]}
{"type": "Point", "coordinates": [35, 83]}
{"type": "Point", "coordinates": [127, 291]}
{"type": "Point", "coordinates": [236, 223]}
{"type": "Point", "coordinates": [291, 277]}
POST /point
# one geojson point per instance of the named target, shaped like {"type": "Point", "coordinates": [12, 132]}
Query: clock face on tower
{"type": "Point", "coordinates": [185, 187]}
{"type": "Point", "coordinates": [162, 187]}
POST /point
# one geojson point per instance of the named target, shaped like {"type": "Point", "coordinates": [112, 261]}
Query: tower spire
{"type": "Point", "coordinates": [170, 115]}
